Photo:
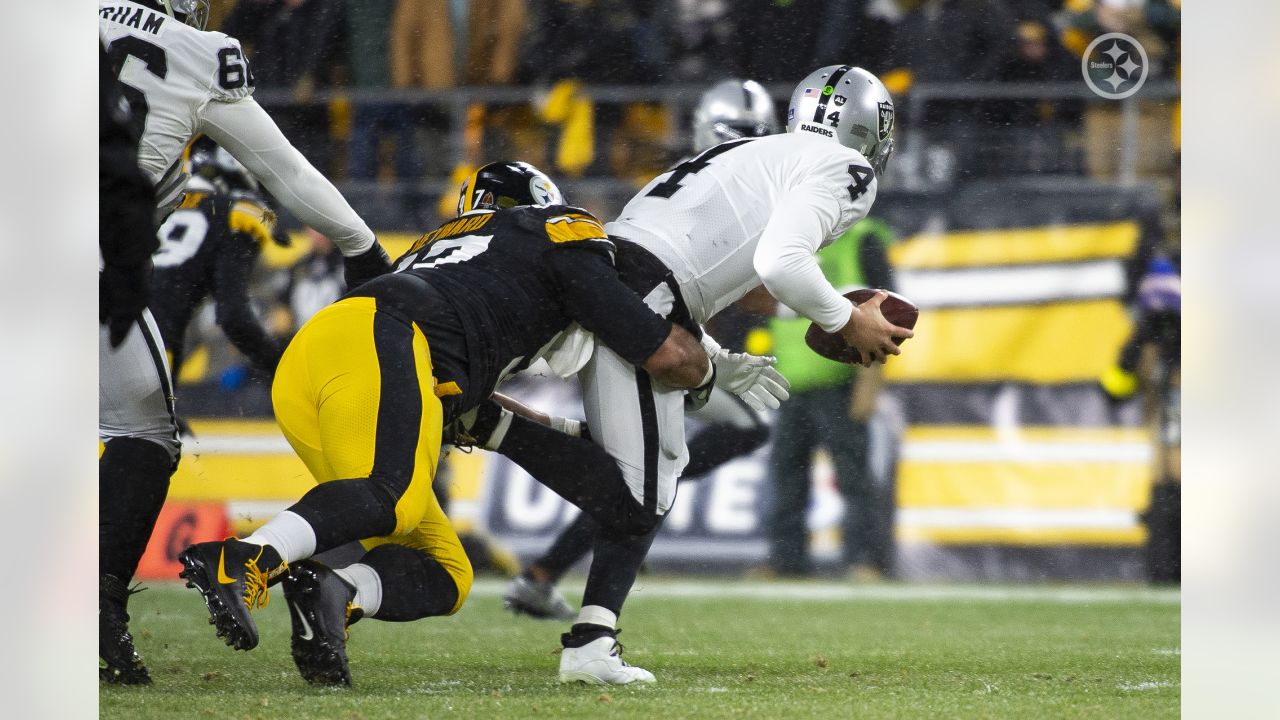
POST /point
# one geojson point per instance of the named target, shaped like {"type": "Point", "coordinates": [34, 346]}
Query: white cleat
{"type": "Point", "coordinates": [600, 662]}
{"type": "Point", "coordinates": [539, 600]}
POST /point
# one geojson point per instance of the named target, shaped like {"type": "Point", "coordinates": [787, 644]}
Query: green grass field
{"type": "Point", "coordinates": [719, 650]}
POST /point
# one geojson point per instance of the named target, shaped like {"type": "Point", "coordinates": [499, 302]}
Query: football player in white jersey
{"type": "Point", "coordinates": [181, 81]}
{"type": "Point", "coordinates": [728, 110]}
{"type": "Point", "coordinates": [746, 212]}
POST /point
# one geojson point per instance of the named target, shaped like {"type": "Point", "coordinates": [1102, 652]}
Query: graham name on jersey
{"type": "Point", "coordinates": [141, 18]}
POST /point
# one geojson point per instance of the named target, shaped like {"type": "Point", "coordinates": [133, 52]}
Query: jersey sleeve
{"type": "Point", "coordinates": [232, 77]}
{"type": "Point", "coordinates": [251, 136]}
{"type": "Point", "coordinates": [785, 258]}
{"type": "Point", "coordinates": [591, 293]}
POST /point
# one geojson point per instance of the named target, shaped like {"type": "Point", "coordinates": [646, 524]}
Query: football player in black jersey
{"type": "Point", "coordinates": [365, 387]}
{"type": "Point", "coordinates": [208, 249]}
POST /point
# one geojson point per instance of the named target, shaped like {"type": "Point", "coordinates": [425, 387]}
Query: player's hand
{"type": "Point", "coordinates": [359, 269]}
{"type": "Point", "coordinates": [752, 378]}
{"type": "Point", "coordinates": [870, 334]}
{"type": "Point", "coordinates": [122, 296]}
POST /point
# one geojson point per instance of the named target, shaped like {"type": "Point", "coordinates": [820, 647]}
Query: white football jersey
{"type": "Point", "coordinates": [751, 211]}
{"type": "Point", "coordinates": [171, 72]}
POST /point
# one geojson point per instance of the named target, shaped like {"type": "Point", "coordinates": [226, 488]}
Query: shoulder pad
{"type": "Point", "coordinates": [569, 224]}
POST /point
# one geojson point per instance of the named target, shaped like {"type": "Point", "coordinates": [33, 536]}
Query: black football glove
{"type": "Point", "coordinates": [360, 269]}
{"type": "Point", "coordinates": [122, 296]}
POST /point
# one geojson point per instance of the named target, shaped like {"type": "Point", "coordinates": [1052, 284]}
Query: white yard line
{"type": "Point", "coordinates": [819, 591]}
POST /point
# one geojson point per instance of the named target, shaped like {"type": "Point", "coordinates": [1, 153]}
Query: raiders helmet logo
{"type": "Point", "coordinates": [886, 120]}
{"type": "Point", "coordinates": [840, 100]}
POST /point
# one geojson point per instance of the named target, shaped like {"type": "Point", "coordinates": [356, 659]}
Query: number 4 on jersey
{"type": "Point", "coordinates": [862, 177]}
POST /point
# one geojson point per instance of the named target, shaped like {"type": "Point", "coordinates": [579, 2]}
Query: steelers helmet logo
{"type": "Point", "coordinates": [543, 192]}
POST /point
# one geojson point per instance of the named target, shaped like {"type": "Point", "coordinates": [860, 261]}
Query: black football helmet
{"type": "Point", "coordinates": [206, 159]}
{"type": "Point", "coordinates": [502, 185]}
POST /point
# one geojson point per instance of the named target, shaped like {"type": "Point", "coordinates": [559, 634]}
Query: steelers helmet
{"type": "Point", "coordinates": [206, 159]}
{"type": "Point", "coordinates": [502, 185]}
{"type": "Point", "coordinates": [733, 109]}
{"type": "Point", "coordinates": [848, 105]}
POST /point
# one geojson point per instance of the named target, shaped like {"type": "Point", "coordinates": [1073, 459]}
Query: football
{"type": "Point", "coordinates": [895, 308]}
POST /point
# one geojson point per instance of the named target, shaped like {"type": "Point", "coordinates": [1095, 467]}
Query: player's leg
{"type": "Point", "coordinates": [1163, 516]}
{"type": "Point", "coordinates": [848, 443]}
{"type": "Point", "coordinates": [140, 452]}
{"type": "Point", "coordinates": [794, 434]}
{"type": "Point", "coordinates": [576, 468]}
{"type": "Point", "coordinates": [354, 396]}
{"type": "Point", "coordinates": [732, 429]}
{"type": "Point", "coordinates": [423, 573]}
{"type": "Point", "coordinates": [642, 427]}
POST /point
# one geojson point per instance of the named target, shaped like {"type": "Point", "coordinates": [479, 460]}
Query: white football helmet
{"type": "Point", "coordinates": [733, 109]}
{"type": "Point", "coordinates": [848, 105]}
{"type": "Point", "coordinates": [192, 12]}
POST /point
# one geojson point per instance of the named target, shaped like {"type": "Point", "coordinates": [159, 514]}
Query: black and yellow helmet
{"type": "Point", "coordinates": [502, 185]}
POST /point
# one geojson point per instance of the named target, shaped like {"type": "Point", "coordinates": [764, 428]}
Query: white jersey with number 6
{"type": "Point", "coordinates": [754, 211]}
{"type": "Point", "coordinates": [170, 71]}
{"type": "Point", "coordinates": [184, 82]}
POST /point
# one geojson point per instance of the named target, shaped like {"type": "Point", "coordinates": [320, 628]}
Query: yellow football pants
{"type": "Point", "coordinates": [353, 392]}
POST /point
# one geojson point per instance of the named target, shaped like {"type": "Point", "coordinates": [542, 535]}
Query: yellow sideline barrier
{"type": "Point", "coordinates": [980, 248]}
{"type": "Point", "coordinates": [1052, 343]}
{"type": "Point", "coordinates": [956, 485]}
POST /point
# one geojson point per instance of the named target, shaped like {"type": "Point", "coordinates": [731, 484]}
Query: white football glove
{"type": "Point", "coordinates": [752, 378]}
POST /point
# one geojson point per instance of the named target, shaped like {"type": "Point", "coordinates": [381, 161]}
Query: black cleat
{"type": "Point", "coordinates": [120, 664]}
{"type": "Point", "coordinates": [233, 577]}
{"type": "Point", "coordinates": [320, 609]}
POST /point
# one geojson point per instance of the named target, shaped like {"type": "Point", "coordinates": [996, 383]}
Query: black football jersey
{"type": "Point", "coordinates": [491, 289]}
{"type": "Point", "coordinates": [208, 248]}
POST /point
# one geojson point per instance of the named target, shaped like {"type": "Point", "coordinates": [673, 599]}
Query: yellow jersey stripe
{"type": "Point", "coordinates": [574, 227]}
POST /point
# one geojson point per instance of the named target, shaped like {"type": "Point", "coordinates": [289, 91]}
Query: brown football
{"type": "Point", "coordinates": [895, 308]}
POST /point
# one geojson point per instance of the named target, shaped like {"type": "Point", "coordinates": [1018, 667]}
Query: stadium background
{"type": "Point", "coordinates": [1025, 208]}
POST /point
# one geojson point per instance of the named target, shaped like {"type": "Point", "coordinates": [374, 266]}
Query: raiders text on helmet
{"type": "Point", "coordinates": [733, 109]}
{"type": "Point", "coordinates": [849, 105]}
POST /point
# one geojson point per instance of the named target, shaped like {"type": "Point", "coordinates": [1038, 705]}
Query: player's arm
{"type": "Point", "coordinates": [251, 136]}
{"type": "Point", "coordinates": [233, 266]}
{"type": "Point", "coordinates": [126, 207]}
{"type": "Point", "coordinates": [592, 294]}
{"type": "Point", "coordinates": [786, 263]}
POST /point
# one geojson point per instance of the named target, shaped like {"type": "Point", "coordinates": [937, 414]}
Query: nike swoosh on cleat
{"type": "Point", "coordinates": [222, 573]}
{"type": "Point", "coordinates": [306, 626]}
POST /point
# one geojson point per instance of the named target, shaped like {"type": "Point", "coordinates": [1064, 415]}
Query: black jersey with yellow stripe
{"type": "Point", "coordinates": [208, 249]}
{"type": "Point", "coordinates": [490, 289]}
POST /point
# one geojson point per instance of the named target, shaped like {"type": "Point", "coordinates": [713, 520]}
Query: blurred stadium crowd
{"type": "Point", "coordinates": [324, 67]}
